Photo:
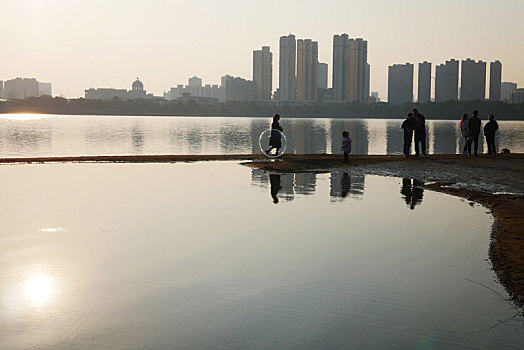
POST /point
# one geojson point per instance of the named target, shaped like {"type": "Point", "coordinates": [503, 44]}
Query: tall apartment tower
{"type": "Point", "coordinates": [400, 83]}
{"type": "Point", "coordinates": [1, 89]}
{"type": "Point", "coordinates": [473, 80]}
{"type": "Point", "coordinates": [322, 75]}
{"type": "Point", "coordinates": [424, 82]}
{"type": "Point", "coordinates": [307, 74]}
{"type": "Point", "coordinates": [446, 81]}
{"type": "Point", "coordinates": [358, 78]}
{"type": "Point", "coordinates": [340, 67]}
{"type": "Point", "coordinates": [263, 72]}
{"type": "Point", "coordinates": [495, 80]}
{"type": "Point", "coordinates": [287, 65]}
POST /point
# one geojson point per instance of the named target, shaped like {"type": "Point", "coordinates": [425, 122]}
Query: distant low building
{"type": "Point", "coordinates": [137, 91]}
{"type": "Point", "coordinates": [195, 89]}
{"type": "Point", "coordinates": [45, 89]}
{"type": "Point", "coordinates": [517, 96]}
{"type": "Point", "coordinates": [239, 89]}
{"type": "Point", "coordinates": [505, 90]}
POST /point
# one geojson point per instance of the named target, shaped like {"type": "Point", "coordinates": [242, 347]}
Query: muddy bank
{"type": "Point", "coordinates": [495, 182]}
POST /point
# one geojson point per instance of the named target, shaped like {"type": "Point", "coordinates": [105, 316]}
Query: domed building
{"type": "Point", "coordinates": [137, 85]}
{"type": "Point", "coordinates": [137, 91]}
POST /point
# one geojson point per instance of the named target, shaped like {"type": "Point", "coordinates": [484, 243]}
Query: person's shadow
{"type": "Point", "coordinates": [412, 192]}
{"type": "Point", "coordinates": [274, 181]}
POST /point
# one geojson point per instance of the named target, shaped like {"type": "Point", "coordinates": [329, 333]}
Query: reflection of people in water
{"type": "Point", "coordinates": [345, 183]}
{"type": "Point", "coordinates": [275, 141]}
{"type": "Point", "coordinates": [274, 181]}
{"type": "Point", "coordinates": [412, 192]}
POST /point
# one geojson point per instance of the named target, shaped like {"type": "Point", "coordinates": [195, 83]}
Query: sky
{"type": "Point", "coordinates": [78, 44]}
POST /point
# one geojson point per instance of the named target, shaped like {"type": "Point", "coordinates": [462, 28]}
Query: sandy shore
{"type": "Point", "coordinates": [496, 182]}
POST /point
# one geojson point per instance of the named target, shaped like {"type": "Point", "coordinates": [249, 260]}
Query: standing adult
{"type": "Point", "coordinates": [489, 132]}
{"type": "Point", "coordinates": [420, 132]}
{"type": "Point", "coordinates": [474, 125]}
{"type": "Point", "coordinates": [275, 141]}
{"type": "Point", "coordinates": [408, 126]}
{"type": "Point", "coordinates": [464, 131]}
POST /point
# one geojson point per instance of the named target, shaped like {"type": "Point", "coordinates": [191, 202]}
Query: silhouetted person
{"type": "Point", "coordinates": [346, 145]}
{"type": "Point", "coordinates": [345, 183]}
{"type": "Point", "coordinates": [489, 132]}
{"type": "Point", "coordinates": [412, 193]}
{"type": "Point", "coordinates": [275, 141]}
{"type": "Point", "coordinates": [274, 181]}
{"type": "Point", "coordinates": [464, 131]}
{"type": "Point", "coordinates": [408, 125]}
{"type": "Point", "coordinates": [420, 132]}
{"type": "Point", "coordinates": [474, 124]}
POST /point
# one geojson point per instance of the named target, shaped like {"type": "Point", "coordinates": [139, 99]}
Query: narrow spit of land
{"type": "Point", "coordinates": [496, 182]}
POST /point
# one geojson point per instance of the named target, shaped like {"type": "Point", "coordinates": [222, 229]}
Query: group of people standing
{"type": "Point", "coordinates": [470, 129]}
{"type": "Point", "coordinates": [415, 124]}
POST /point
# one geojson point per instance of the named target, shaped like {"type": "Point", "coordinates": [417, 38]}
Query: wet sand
{"type": "Point", "coordinates": [496, 182]}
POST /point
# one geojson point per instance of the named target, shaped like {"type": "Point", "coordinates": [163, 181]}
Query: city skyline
{"type": "Point", "coordinates": [78, 46]}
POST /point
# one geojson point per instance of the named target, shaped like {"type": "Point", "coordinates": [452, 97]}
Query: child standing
{"type": "Point", "coordinates": [346, 145]}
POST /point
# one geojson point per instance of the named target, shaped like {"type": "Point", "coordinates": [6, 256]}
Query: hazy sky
{"type": "Point", "coordinates": [77, 44]}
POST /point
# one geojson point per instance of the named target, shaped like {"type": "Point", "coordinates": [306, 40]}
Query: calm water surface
{"type": "Point", "coordinates": [199, 256]}
{"type": "Point", "coordinates": [46, 135]}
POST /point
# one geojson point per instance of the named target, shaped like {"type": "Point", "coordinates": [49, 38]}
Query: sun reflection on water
{"type": "Point", "coordinates": [39, 289]}
{"type": "Point", "coordinates": [24, 116]}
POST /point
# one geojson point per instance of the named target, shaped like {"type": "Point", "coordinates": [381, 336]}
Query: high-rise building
{"type": "Point", "coordinates": [322, 75]}
{"type": "Point", "coordinates": [400, 83]}
{"type": "Point", "coordinates": [505, 90]}
{"type": "Point", "coordinates": [307, 75]}
{"type": "Point", "coordinates": [367, 78]}
{"type": "Point", "coordinates": [446, 81]}
{"type": "Point", "coordinates": [263, 72]}
{"type": "Point", "coordinates": [472, 80]}
{"type": "Point", "coordinates": [424, 82]}
{"type": "Point", "coordinates": [340, 67]}
{"type": "Point", "coordinates": [287, 66]}
{"type": "Point", "coordinates": [495, 79]}
{"type": "Point", "coordinates": [1, 89]}
{"type": "Point", "coordinates": [358, 73]}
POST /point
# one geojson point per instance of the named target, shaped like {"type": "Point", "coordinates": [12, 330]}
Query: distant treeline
{"type": "Point", "coordinates": [432, 110]}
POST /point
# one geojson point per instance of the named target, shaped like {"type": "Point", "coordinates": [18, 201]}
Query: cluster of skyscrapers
{"type": "Point", "coordinates": [472, 82]}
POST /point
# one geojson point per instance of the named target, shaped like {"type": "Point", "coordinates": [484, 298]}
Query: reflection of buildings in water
{"type": "Point", "coordinates": [343, 184]}
{"type": "Point", "coordinates": [261, 179]}
{"type": "Point", "coordinates": [256, 127]}
{"type": "Point", "coordinates": [357, 131]}
{"type": "Point", "coordinates": [138, 137]}
{"type": "Point", "coordinates": [305, 183]}
{"type": "Point", "coordinates": [233, 138]}
{"type": "Point", "coordinates": [412, 192]}
{"type": "Point", "coordinates": [26, 139]}
{"type": "Point", "coordinates": [443, 136]}
{"type": "Point", "coordinates": [377, 136]}
{"type": "Point", "coordinates": [305, 137]}
{"type": "Point", "coordinates": [395, 137]}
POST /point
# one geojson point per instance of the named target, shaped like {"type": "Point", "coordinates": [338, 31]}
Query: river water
{"type": "Point", "coordinates": [215, 255]}
{"type": "Point", "coordinates": [33, 135]}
